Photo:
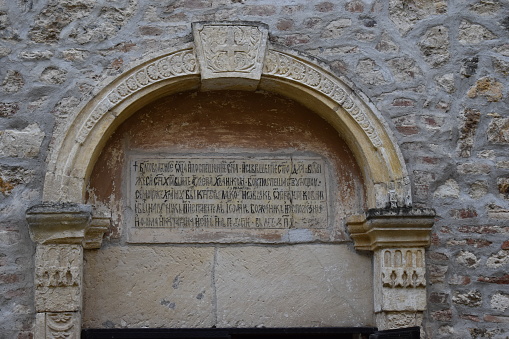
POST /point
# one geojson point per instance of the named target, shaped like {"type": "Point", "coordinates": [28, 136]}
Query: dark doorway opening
{"type": "Point", "coordinates": [252, 333]}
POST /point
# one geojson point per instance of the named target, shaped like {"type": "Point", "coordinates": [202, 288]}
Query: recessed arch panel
{"type": "Point", "coordinates": [303, 79]}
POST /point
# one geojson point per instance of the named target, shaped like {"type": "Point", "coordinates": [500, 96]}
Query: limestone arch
{"type": "Point", "coordinates": [388, 224]}
{"type": "Point", "coordinates": [301, 78]}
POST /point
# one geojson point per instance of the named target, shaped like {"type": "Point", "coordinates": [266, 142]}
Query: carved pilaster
{"type": "Point", "coordinates": [61, 231]}
{"type": "Point", "coordinates": [230, 54]}
{"type": "Point", "coordinates": [58, 275]}
{"type": "Point", "coordinates": [398, 238]}
{"type": "Point", "coordinates": [58, 325]}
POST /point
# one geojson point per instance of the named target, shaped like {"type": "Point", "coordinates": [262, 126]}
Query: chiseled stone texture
{"type": "Point", "coordinates": [292, 286]}
{"type": "Point", "coordinates": [227, 286]}
{"type": "Point", "coordinates": [142, 286]}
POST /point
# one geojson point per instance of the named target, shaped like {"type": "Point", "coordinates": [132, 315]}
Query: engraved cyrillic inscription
{"type": "Point", "coordinates": [210, 192]}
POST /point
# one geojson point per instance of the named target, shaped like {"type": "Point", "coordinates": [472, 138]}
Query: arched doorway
{"type": "Point", "coordinates": [232, 56]}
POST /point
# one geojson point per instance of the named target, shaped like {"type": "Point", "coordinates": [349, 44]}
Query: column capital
{"type": "Point", "coordinates": [391, 227]}
{"type": "Point", "coordinates": [66, 223]}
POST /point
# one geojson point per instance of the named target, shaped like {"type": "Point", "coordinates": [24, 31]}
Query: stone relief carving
{"type": "Point", "coordinates": [230, 48]}
{"type": "Point", "coordinates": [58, 272]}
{"type": "Point", "coordinates": [401, 319]}
{"type": "Point", "coordinates": [62, 325]}
{"type": "Point", "coordinates": [176, 64]}
{"type": "Point", "coordinates": [403, 268]}
{"type": "Point", "coordinates": [60, 266]}
{"type": "Point", "coordinates": [286, 66]}
{"type": "Point", "coordinates": [233, 51]}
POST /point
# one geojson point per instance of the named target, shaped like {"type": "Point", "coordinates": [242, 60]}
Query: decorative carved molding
{"type": "Point", "coordinates": [386, 228]}
{"type": "Point", "coordinates": [58, 266]}
{"type": "Point", "coordinates": [403, 268]}
{"type": "Point", "coordinates": [287, 66]}
{"type": "Point", "coordinates": [230, 50]}
{"type": "Point", "coordinates": [58, 276]}
{"type": "Point", "coordinates": [58, 223]}
{"type": "Point", "coordinates": [394, 320]}
{"type": "Point", "coordinates": [66, 223]}
{"type": "Point", "coordinates": [62, 325]}
{"type": "Point", "coordinates": [179, 63]}
{"type": "Point", "coordinates": [94, 233]}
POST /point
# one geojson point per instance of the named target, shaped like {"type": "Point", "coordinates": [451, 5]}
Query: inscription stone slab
{"type": "Point", "coordinates": [184, 198]}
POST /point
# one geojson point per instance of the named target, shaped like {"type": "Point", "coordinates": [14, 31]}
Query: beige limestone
{"type": "Point", "coordinates": [301, 285]}
{"type": "Point", "coordinates": [24, 143]}
{"type": "Point", "coordinates": [230, 54]}
{"type": "Point", "coordinates": [141, 286]}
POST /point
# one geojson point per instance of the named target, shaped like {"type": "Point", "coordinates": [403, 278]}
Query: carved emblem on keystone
{"type": "Point", "coordinates": [229, 50]}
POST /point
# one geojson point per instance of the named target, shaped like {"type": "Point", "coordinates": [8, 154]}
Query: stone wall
{"type": "Point", "coordinates": [437, 70]}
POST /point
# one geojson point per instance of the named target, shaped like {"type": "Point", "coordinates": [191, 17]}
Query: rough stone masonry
{"type": "Point", "coordinates": [437, 70]}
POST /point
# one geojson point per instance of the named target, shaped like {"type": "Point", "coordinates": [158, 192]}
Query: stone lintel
{"type": "Point", "coordinates": [66, 223]}
{"type": "Point", "coordinates": [395, 227]}
{"type": "Point", "coordinates": [230, 54]}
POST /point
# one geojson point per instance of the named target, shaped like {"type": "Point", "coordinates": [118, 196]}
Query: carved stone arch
{"type": "Point", "coordinates": [297, 77]}
{"type": "Point", "coordinates": [389, 222]}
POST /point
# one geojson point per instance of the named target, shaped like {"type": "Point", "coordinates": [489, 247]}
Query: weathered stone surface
{"type": "Point", "coordinates": [369, 72]}
{"type": "Point", "coordinates": [404, 69]}
{"type": "Point", "coordinates": [501, 66]}
{"type": "Point", "coordinates": [393, 320]}
{"type": "Point", "coordinates": [405, 14]}
{"type": "Point", "coordinates": [478, 189]}
{"type": "Point", "coordinates": [468, 259]}
{"type": "Point", "coordinates": [53, 75]}
{"type": "Point", "coordinates": [500, 301]}
{"type": "Point", "coordinates": [106, 25]}
{"type": "Point", "coordinates": [450, 189]}
{"type": "Point", "coordinates": [36, 55]}
{"type": "Point", "coordinates": [485, 7]}
{"type": "Point", "coordinates": [4, 51]}
{"type": "Point", "coordinates": [74, 54]}
{"type": "Point", "coordinates": [10, 177]}
{"type": "Point", "coordinates": [435, 46]}
{"type": "Point", "coordinates": [474, 168]}
{"type": "Point", "coordinates": [228, 199]}
{"type": "Point", "coordinates": [303, 285]}
{"type": "Point", "coordinates": [230, 55]}
{"type": "Point", "coordinates": [23, 143]}
{"type": "Point", "coordinates": [437, 273]}
{"type": "Point", "coordinates": [336, 28]}
{"type": "Point", "coordinates": [503, 187]}
{"type": "Point", "coordinates": [8, 109]}
{"type": "Point", "coordinates": [56, 16]}
{"type": "Point", "coordinates": [471, 118]}
{"type": "Point", "coordinates": [489, 88]}
{"type": "Point", "coordinates": [94, 39]}
{"type": "Point", "coordinates": [470, 33]}
{"type": "Point", "coordinates": [13, 82]}
{"type": "Point", "coordinates": [498, 131]}
{"type": "Point", "coordinates": [58, 276]}
{"type": "Point", "coordinates": [142, 286]}
{"type": "Point", "coordinates": [391, 227]}
{"type": "Point", "coordinates": [446, 81]}
{"type": "Point", "coordinates": [499, 259]}
{"type": "Point", "coordinates": [470, 298]}
{"type": "Point", "coordinates": [387, 44]}
{"type": "Point", "coordinates": [469, 66]}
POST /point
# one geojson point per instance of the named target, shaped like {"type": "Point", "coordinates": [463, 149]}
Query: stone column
{"type": "Point", "coordinates": [398, 238]}
{"type": "Point", "coordinates": [61, 230]}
